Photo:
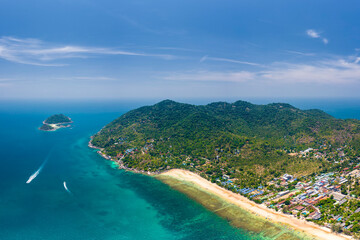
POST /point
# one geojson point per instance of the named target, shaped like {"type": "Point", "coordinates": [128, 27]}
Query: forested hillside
{"type": "Point", "coordinates": [251, 143]}
{"type": "Point", "coordinates": [57, 118]}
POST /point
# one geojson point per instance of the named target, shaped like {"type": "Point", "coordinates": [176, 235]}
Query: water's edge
{"type": "Point", "coordinates": [235, 215]}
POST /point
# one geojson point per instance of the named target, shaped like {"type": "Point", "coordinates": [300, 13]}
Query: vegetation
{"type": "Point", "coordinates": [57, 119]}
{"type": "Point", "coordinates": [46, 127]}
{"type": "Point", "coordinates": [251, 144]}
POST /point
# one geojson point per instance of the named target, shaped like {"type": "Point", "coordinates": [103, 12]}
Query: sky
{"type": "Point", "coordinates": [178, 49]}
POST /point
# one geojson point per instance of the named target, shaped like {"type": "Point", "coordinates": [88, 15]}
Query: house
{"type": "Point", "coordinates": [306, 151]}
{"type": "Point", "coordinates": [279, 204]}
{"type": "Point", "coordinates": [299, 208]}
{"type": "Point", "coordinates": [338, 196]}
{"type": "Point", "coordinates": [355, 173]}
{"type": "Point", "coordinates": [342, 201]}
{"type": "Point", "coordinates": [309, 202]}
{"type": "Point", "coordinates": [349, 227]}
{"type": "Point", "coordinates": [321, 198]}
{"type": "Point", "coordinates": [226, 177]}
{"type": "Point", "coordinates": [283, 183]}
{"type": "Point", "coordinates": [287, 177]}
{"type": "Point", "coordinates": [283, 193]}
{"type": "Point", "coordinates": [357, 210]}
{"type": "Point", "coordinates": [315, 215]}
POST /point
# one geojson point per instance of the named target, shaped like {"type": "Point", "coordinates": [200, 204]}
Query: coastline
{"type": "Point", "coordinates": [302, 227]}
{"type": "Point", "coordinates": [55, 126]}
{"type": "Point", "coordinates": [278, 225]}
{"type": "Point", "coordinates": [119, 162]}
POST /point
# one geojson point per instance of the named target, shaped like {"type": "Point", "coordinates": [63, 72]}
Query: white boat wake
{"type": "Point", "coordinates": [66, 188]}
{"type": "Point", "coordinates": [35, 174]}
{"type": "Point", "coordinates": [32, 177]}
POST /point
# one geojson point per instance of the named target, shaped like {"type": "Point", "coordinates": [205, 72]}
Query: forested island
{"type": "Point", "coordinates": [55, 122]}
{"type": "Point", "coordinates": [241, 140]}
{"type": "Point", "coordinates": [300, 162]}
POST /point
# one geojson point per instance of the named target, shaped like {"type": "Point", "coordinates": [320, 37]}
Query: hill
{"type": "Point", "coordinates": [46, 127]}
{"type": "Point", "coordinates": [57, 119]}
{"type": "Point", "coordinates": [247, 142]}
{"type": "Point", "coordinates": [55, 122]}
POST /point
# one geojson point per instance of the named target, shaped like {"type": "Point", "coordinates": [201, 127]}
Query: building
{"type": "Point", "coordinates": [283, 193]}
{"type": "Point", "coordinates": [315, 215]}
{"type": "Point", "coordinates": [338, 196]}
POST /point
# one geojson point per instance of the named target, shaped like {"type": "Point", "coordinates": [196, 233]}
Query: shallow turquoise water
{"type": "Point", "coordinates": [105, 203]}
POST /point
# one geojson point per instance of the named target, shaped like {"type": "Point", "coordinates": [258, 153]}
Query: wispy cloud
{"type": "Point", "coordinates": [206, 58]}
{"type": "Point", "coordinates": [37, 52]}
{"type": "Point", "coordinates": [176, 49]}
{"type": "Point", "coordinates": [300, 53]}
{"type": "Point", "coordinates": [4, 82]}
{"type": "Point", "coordinates": [241, 76]}
{"type": "Point", "coordinates": [328, 71]}
{"type": "Point", "coordinates": [87, 78]}
{"type": "Point", "coordinates": [323, 72]}
{"type": "Point", "coordinates": [314, 34]}
{"type": "Point", "coordinates": [5, 79]}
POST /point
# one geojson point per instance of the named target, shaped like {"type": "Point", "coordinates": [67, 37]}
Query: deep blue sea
{"type": "Point", "coordinates": [104, 202]}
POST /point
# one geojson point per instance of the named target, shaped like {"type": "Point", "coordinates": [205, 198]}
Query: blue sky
{"type": "Point", "coordinates": [69, 49]}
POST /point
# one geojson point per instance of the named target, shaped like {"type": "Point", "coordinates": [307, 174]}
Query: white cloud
{"type": "Point", "coordinates": [329, 71]}
{"type": "Point", "coordinates": [314, 34]}
{"type": "Point", "coordinates": [333, 72]}
{"type": "Point", "coordinates": [36, 52]}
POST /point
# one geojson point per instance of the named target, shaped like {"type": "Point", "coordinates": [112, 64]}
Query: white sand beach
{"type": "Point", "coordinates": [261, 210]}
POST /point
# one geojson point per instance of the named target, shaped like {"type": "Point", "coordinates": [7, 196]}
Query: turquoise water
{"type": "Point", "coordinates": [105, 203]}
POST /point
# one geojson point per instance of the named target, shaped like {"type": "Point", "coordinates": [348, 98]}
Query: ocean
{"type": "Point", "coordinates": [102, 202]}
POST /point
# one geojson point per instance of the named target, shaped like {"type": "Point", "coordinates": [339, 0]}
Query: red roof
{"type": "Point", "coordinates": [299, 208]}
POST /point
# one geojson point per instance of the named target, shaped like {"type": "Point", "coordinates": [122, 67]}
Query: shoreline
{"type": "Point", "coordinates": [55, 126]}
{"type": "Point", "coordinates": [119, 162]}
{"type": "Point", "coordinates": [307, 228]}
{"type": "Point", "coordinates": [304, 227]}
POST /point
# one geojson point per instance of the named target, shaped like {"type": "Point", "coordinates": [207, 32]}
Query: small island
{"type": "Point", "coordinates": [55, 122]}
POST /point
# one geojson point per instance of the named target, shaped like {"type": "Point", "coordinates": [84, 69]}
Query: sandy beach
{"type": "Point", "coordinates": [299, 225]}
{"type": "Point", "coordinates": [56, 126]}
